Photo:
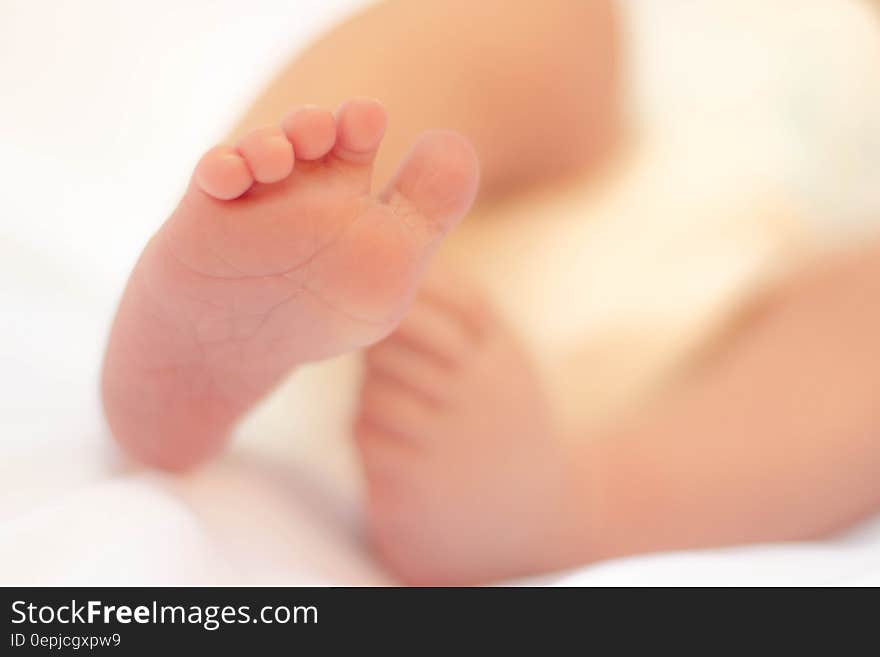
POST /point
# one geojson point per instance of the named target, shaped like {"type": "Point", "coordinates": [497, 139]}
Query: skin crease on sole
{"type": "Point", "coordinates": [278, 254]}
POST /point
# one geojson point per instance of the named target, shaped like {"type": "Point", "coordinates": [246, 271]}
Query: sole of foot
{"type": "Point", "coordinates": [279, 253]}
{"type": "Point", "coordinates": [465, 482]}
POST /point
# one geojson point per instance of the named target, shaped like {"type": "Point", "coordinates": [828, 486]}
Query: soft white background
{"type": "Point", "coordinates": [104, 108]}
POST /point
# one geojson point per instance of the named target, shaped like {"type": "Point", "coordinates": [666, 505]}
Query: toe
{"type": "Point", "coordinates": [398, 363]}
{"type": "Point", "coordinates": [389, 465]}
{"type": "Point", "coordinates": [395, 410]}
{"type": "Point", "coordinates": [438, 180]}
{"type": "Point", "coordinates": [375, 439]}
{"type": "Point", "coordinates": [436, 333]}
{"type": "Point", "coordinates": [223, 173]}
{"type": "Point", "coordinates": [268, 153]}
{"type": "Point", "coordinates": [360, 125]}
{"type": "Point", "coordinates": [457, 295]}
{"type": "Point", "coordinates": [311, 130]}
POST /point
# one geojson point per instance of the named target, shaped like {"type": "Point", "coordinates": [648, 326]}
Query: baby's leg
{"type": "Point", "coordinates": [776, 439]}
{"type": "Point", "coordinates": [278, 254]}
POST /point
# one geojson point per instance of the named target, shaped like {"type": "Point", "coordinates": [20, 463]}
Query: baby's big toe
{"type": "Point", "coordinates": [438, 179]}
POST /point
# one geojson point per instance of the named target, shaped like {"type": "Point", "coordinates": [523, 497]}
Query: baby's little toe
{"type": "Point", "coordinates": [223, 173]}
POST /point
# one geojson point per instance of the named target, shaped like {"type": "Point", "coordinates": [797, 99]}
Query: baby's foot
{"type": "Point", "coordinates": [465, 479]}
{"type": "Point", "coordinates": [278, 254]}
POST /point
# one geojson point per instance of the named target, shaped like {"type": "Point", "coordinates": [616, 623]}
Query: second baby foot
{"type": "Point", "coordinates": [279, 253]}
{"type": "Point", "coordinates": [466, 482]}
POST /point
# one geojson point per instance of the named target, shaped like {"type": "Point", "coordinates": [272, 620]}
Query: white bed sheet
{"type": "Point", "coordinates": [105, 106]}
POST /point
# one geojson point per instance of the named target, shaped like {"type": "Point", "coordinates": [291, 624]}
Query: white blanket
{"type": "Point", "coordinates": [106, 106]}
